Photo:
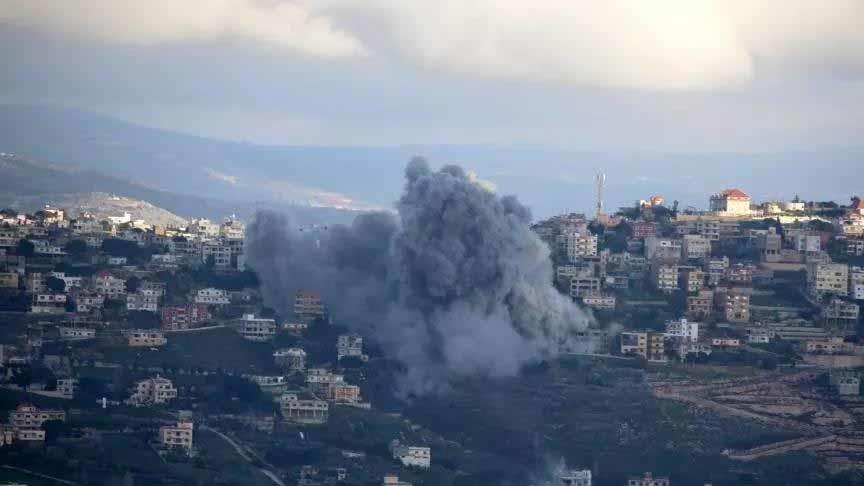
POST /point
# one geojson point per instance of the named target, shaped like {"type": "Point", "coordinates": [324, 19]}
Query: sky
{"type": "Point", "coordinates": [622, 75]}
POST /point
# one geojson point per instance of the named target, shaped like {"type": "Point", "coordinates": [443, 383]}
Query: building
{"type": "Point", "coordinates": [695, 247]}
{"type": "Point", "coordinates": [578, 245]}
{"type": "Point", "coordinates": [734, 303]}
{"type": "Point", "coordinates": [320, 380]}
{"type": "Point", "coordinates": [411, 456]}
{"type": "Point", "coordinates": [185, 316]}
{"type": "Point", "coordinates": [308, 306]}
{"type": "Point", "coordinates": [178, 436]}
{"type": "Point", "coordinates": [74, 333]}
{"type": "Point", "coordinates": [699, 306]}
{"type": "Point", "coordinates": [393, 480]}
{"type": "Point", "coordinates": [648, 480]}
{"type": "Point", "coordinates": [716, 270]}
{"type": "Point", "coordinates": [212, 296]}
{"type": "Point", "coordinates": [109, 286]}
{"type": "Point", "coordinates": [760, 335]}
{"type": "Point", "coordinates": [662, 248]}
{"type": "Point", "coordinates": [645, 343]}
{"type": "Point", "coordinates": [741, 274]}
{"type": "Point", "coordinates": [828, 278]}
{"type": "Point", "coordinates": [304, 411]}
{"type": "Point", "coordinates": [350, 345]}
{"type": "Point", "coordinates": [293, 359]}
{"type": "Point", "coordinates": [841, 315]}
{"type": "Point", "coordinates": [730, 202]}
{"type": "Point", "coordinates": [66, 387]}
{"type": "Point", "coordinates": [573, 478]}
{"type": "Point", "coordinates": [599, 301]}
{"type": "Point", "coordinates": [9, 280]}
{"type": "Point", "coordinates": [343, 393]}
{"type": "Point", "coordinates": [257, 328]}
{"type": "Point", "coordinates": [665, 276]}
{"type": "Point", "coordinates": [582, 285]}
{"type": "Point", "coordinates": [691, 279]}
{"type": "Point", "coordinates": [27, 416]}
{"type": "Point", "coordinates": [145, 338]}
{"type": "Point", "coordinates": [86, 302]}
{"type": "Point", "coordinates": [682, 329]}
{"type": "Point", "coordinates": [143, 300]}
{"type": "Point", "coordinates": [152, 391]}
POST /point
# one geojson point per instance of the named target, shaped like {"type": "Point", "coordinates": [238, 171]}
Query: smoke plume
{"type": "Point", "coordinates": [455, 285]}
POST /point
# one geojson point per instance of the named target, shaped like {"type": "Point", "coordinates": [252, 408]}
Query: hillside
{"type": "Point", "coordinates": [547, 180]}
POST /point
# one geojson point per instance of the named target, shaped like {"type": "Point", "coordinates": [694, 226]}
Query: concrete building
{"type": "Point", "coordinates": [180, 436]}
{"type": "Point", "coordinates": [665, 276]}
{"type": "Point", "coordinates": [308, 306]}
{"type": "Point", "coordinates": [700, 306]}
{"type": "Point", "coordinates": [350, 345]}
{"type": "Point", "coordinates": [734, 303]}
{"type": "Point", "coordinates": [27, 416]}
{"type": "Point", "coordinates": [293, 359]}
{"type": "Point", "coordinates": [648, 480]}
{"type": "Point", "coordinates": [411, 456]}
{"type": "Point", "coordinates": [74, 333]}
{"type": "Point", "coordinates": [145, 338]}
{"type": "Point", "coordinates": [716, 270]}
{"type": "Point", "coordinates": [109, 286]}
{"type": "Point", "coordinates": [304, 411]}
{"type": "Point", "coordinates": [828, 278]}
{"type": "Point", "coordinates": [682, 329]}
{"type": "Point", "coordinates": [212, 296]}
{"type": "Point", "coordinates": [257, 328]}
{"type": "Point", "coordinates": [582, 285]}
{"type": "Point", "coordinates": [66, 387]}
{"type": "Point", "coordinates": [695, 247]}
{"type": "Point", "coordinates": [184, 317]}
{"type": "Point", "coordinates": [578, 245]}
{"type": "Point", "coordinates": [9, 280]}
{"type": "Point", "coordinates": [152, 391]}
{"type": "Point", "coordinates": [645, 343]}
{"type": "Point", "coordinates": [730, 202]}
{"type": "Point", "coordinates": [143, 300]}
{"type": "Point", "coordinates": [599, 301]}
{"type": "Point", "coordinates": [662, 248]}
{"type": "Point", "coordinates": [393, 480]}
{"type": "Point", "coordinates": [841, 315]}
{"type": "Point", "coordinates": [690, 279]}
{"type": "Point", "coordinates": [574, 478]}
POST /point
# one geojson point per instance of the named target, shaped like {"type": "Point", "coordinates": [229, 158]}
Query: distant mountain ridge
{"type": "Point", "coordinates": [357, 178]}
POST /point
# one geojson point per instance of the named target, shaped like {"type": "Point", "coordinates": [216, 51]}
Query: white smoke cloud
{"type": "Point", "coordinates": [658, 44]}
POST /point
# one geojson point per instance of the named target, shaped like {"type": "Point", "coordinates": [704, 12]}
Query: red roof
{"type": "Point", "coordinates": [735, 193]}
{"type": "Point", "coordinates": [858, 204]}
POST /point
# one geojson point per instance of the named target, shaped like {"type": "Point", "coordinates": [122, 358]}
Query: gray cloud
{"type": "Point", "coordinates": [456, 285]}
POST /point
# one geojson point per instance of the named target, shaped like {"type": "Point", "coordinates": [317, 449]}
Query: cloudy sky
{"type": "Point", "coordinates": [683, 75]}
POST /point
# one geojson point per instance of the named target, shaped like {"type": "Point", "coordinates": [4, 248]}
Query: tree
{"type": "Point", "coordinates": [55, 284]}
{"type": "Point", "coordinates": [23, 377]}
{"type": "Point", "coordinates": [132, 284]}
{"type": "Point", "coordinates": [77, 248]}
{"type": "Point", "coordinates": [26, 248]}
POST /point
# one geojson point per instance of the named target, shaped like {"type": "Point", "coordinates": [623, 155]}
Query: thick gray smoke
{"type": "Point", "coordinates": [455, 285]}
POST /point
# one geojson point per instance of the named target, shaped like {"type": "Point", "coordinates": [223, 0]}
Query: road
{"type": "Point", "coordinates": [38, 475]}
{"type": "Point", "coordinates": [245, 455]}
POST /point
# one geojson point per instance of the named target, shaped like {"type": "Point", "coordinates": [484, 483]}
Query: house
{"type": "Point", "coordinates": [699, 306]}
{"type": "Point", "coordinates": [599, 301]}
{"type": "Point", "coordinates": [350, 345]}
{"type": "Point", "coordinates": [573, 478]}
{"type": "Point", "coordinates": [66, 387]}
{"type": "Point", "coordinates": [74, 333]}
{"type": "Point", "coordinates": [257, 328]}
{"type": "Point", "coordinates": [648, 480]}
{"type": "Point", "coordinates": [411, 456]}
{"type": "Point", "coordinates": [730, 202]}
{"type": "Point", "coordinates": [695, 247]}
{"type": "Point", "coordinates": [143, 300]}
{"type": "Point", "coordinates": [662, 248]}
{"type": "Point", "coordinates": [27, 416]}
{"type": "Point", "coordinates": [145, 338]}
{"type": "Point", "coordinates": [212, 296]}
{"type": "Point", "coordinates": [109, 286]}
{"type": "Point", "coordinates": [185, 316]}
{"type": "Point", "coordinates": [645, 343]}
{"type": "Point", "coordinates": [393, 480]}
{"type": "Point", "coordinates": [152, 391]}
{"type": "Point", "coordinates": [293, 359]}
{"type": "Point", "coordinates": [828, 278]}
{"type": "Point", "coordinates": [179, 436]}
{"type": "Point", "coordinates": [304, 411]}
{"type": "Point", "coordinates": [274, 385]}
{"type": "Point", "coordinates": [734, 303]}
{"type": "Point", "coordinates": [308, 306]}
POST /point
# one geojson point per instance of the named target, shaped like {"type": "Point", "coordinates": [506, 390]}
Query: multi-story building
{"type": "Point", "coordinates": [644, 229]}
{"type": "Point", "coordinates": [185, 316]}
{"type": "Point", "coordinates": [716, 270]}
{"type": "Point", "coordinates": [152, 391]}
{"type": "Point", "coordinates": [27, 416]}
{"type": "Point", "coordinates": [304, 411]}
{"type": "Point", "coordinates": [86, 302]}
{"type": "Point", "coordinates": [411, 456]}
{"type": "Point", "coordinates": [699, 306]}
{"type": "Point", "coordinates": [320, 379]}
{"type": "Point", "coordinates": [734, 303]}
{"type": "Point", "coordinates": [578, 245]}
{"type": "Point", "coordinates": [293, 359]}
{"type": "Point", "coordinates": [257, 328]}
{"type": "Point", "coordinates": [343, 393]}
{"type": "Point", "coordinates": [599, 301]}
{"type": "Point", "coordinates": [66, 387]}
{"type": "Point", "coordinates": [662, 248]}
{"type": "Point", "coordinates": [308, 306]}
{"type": "Point", "coordinates": [573, 478]}
{"type": "Point", "coordinates": [178, 436]}
{"type": "Point", "coordinates": [828, 278]}
{"type": "Point", "coordinates": [109, 286]}
{"type": "Point", "coordinates": [855, 246]}
{"type": "Point", "coordinates": [582, 285]}
{"type": "Point", "coordinates": [682, 329]}
{"type": "Point", "coordinates": [648, 480]}
{"type": "Point", "coordinates": [73, 333]}
{"type": "Point", "coordinates": [349, 345]}
{"type": "Point", "coordinates": [9, 280]}
{"type": "Point", "coordinates": [695, 247]}
{"type": "Point", "coordinates": [143, 300]}
{"type": "Point", "coordinates": [393, 480]}
{"type": "Point", "coordinates": [856, 283]}
{"type": "Point", "coordinates": [665, 276]}
{"type": "Point", "coordinates": [760, 335]}
{"type": "Point", "coordinates": [730, 202]}
{"type": "Point", "coordinates": [645, 343]}
{"type": "Point", "coordinates": [841, 315]}
{"type": "Point", "coordinates": [212, 296]}
{"type": "Point", "coordinates": [145, 338]}
{"type": "Point", "coordinates": [741, 274]}
{"type": "Point", "coordinates": [691, 279]}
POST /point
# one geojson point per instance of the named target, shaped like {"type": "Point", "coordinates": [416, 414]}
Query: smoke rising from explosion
{"type": "Point", "coordinates": [455, 285]}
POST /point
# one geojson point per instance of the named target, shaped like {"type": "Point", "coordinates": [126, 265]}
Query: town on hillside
{"type": "Point", "coordinates": [134, 353]}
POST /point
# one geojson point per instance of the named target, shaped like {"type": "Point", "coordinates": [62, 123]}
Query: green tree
{"type": "Point", "coordinates": [132, 284]}
{"type": "Point", "coordinates": [77, 249]}
{"type": "Point", "coordinates": [55, 284]}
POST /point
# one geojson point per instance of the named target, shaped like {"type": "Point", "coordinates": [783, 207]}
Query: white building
{"type": "Point", "coordinates": [730, 202]}
{"type": "Point", "coordinates": [143, 300]}
{"type": "Point", "coordinates": [178, 436]}
{"type": "Point", "coordinates": [146, 338]}
{"type": "Point", "coordinates": [304, 411]}
{"type": "Point", "coordinates": [412, 456]}
{"type": "Point", "coordinates": [828, 278]}
{"type": "Point", "coordinates": [696, 246]}
{"type": "Point", "coordinates": [152, 391]}
{"type": "Point", "coordinates": [212, 296]}
{"type": "Point", "coordinates": [257, 328]}
{"type": "Point", "coordinates": [293, 359]}
{"type": "Point", "coordinates": [350, 345]}
{"type": "Point", "coordinates": [663, 248]}
{"type": "Point", "coordinates": [73, 333]}
{"type": "Point", "coordinates": [683, 329]}
{"type": "Point", "coordinates": [109, 286]}
{"type": "Point", "coordinates": [574, 478]}
{"type": "Point", "coordinates": [579, 245]}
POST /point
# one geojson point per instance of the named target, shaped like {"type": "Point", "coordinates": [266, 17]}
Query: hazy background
{"type": "Point", "coordinates": [325, 100]}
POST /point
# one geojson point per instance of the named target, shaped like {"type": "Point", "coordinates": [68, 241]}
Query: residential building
{"type": "Point", "coordinates": [178, 436]}
{"type": "Point", "coordinates": [274, 385]}
{"type": "Point", "coordinates": [86, 302]}
{"type": "Point", "coordinates": [257, 328]}
{"type": "Point", "coordinates": [212, 296]}
{"type": "Point", "coordinates": [599, 301]}
{"type": "Point", "coordinates": [27, 416]}
{"type": "Point", "coordinates": [662, 248]}
{"type": "Point", "coordinates": [760, 335]}
{"type": "Point", "coordinates": [665, 276]}
{"type": "Point", "coordinates": [9, 280]}
{"type": "Point", "coordinates": [152, 391]}
{"type": "Point", "coordinates": [320, 379]}
{"type": "Point", "coordinates": [584, 284]}
{"type": "Point", "coordinates": [741, 274]}
{"type": "Point", "coordinates": [682, 329]}
{"type": "Point", "coordinates": [308, 306]}
{"type": "Point", "coordinates": [304, 411]}
{"type": "Point", "coordinates": [143, 300]}
{"type": "Point", "coordinates": [695, 247]}
{"type": "Point", "coordinates": [831, 345]}
{"type": "Point", "coordinates": [66, 387]}
{"type": "Point", "coordinates": [411, 456]}
{"type": "Point", "coordinates": [648, 480]}
{"type": "Point", "coordinates": [350, 345]}
{"type": "Point", "coordinates": [841, 315]}
{"type": "Point", "coordinates": [574, 478]}
{"type": "Point", "coordinates": [109, 286]}
{"type": "Point", "coordinates": [690, 279]}
{"type": "Point", "coordinates": [145, 338]}
{"type": "Point", "coordinates": [828, 278]}
{"type": "Point", "coordinates": [735, 304]}
{"type": "Point", "coordinates": [184, 317]}
{"type": "Point", "coordinates": [393, 480]}
{"type": "Point", "coordinates": [730, 202]}
{"type": "Point", "coordinates": [343, 393]}
{"type": "Point", "coordinates": [644, 229]}
{"type": "Point", "coordinates": [293, 359]}
{"type": "Point", "coordinates": [645, 343]}
{"type": "Point", "coordinates": [855, 246]}
{"type": "Point", "coordinates": [578, 245]}
{"type": "Point", "coordinates": [74, 333]}
{"type": "Point", "coordinates": [716, 270]}
{"type": "Point", "coordinates": [699, 306]}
